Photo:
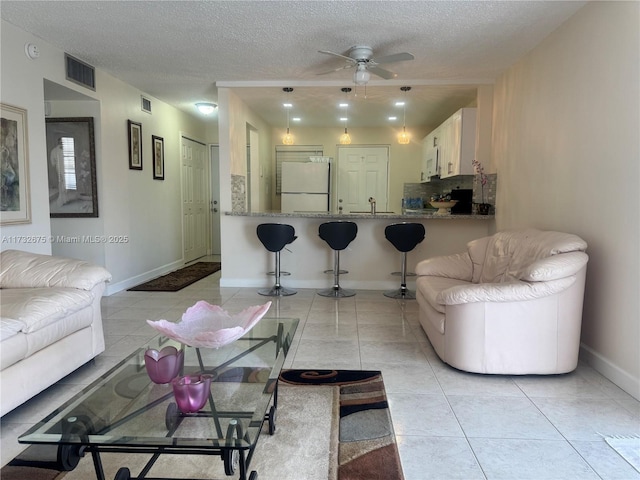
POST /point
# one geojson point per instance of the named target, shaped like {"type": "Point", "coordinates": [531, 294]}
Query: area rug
{"type": "Point", "coordinates": [367, 447]}
{"type": "Point", "coordinates": [331, 425]}
{"type": "Point", "coordinates": [174, 281]}
{"type": "Point", "coordinates": [628, 447]}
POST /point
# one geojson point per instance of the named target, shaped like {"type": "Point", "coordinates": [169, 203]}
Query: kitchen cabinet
{"type": "Point", "coordinates": [457, 145]}
{"type": "Point", "coordinates": [430, 156]}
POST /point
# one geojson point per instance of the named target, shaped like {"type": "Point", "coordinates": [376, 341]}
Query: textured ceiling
{"type": "Point", "coordinates": [178, 51]}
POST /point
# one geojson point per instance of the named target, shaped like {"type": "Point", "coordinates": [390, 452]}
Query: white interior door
{"type": "Point", "coordinates": [215, 199]}
{"type": "Point", "coordinates": [195, 200]}
{"type": "Point", "coordinates": [363, 172]}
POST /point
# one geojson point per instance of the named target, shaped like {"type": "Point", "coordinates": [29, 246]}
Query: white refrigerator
{"type": "Point", "coordinates": [305, 187]}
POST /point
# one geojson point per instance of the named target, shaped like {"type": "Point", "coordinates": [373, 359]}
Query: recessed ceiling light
{"type": "Point", "coordinates": [393, 118]}
{"type": "Point", "coordinates": [343, 105]}
{"type": "Point", "coordinates": [295, 119]}
{"type": "Point", "coordinates": [399, 104]}
{"type": "Point", "coordinates": [343, 119]}
{"type": "Point", "coordinates": [287, 105]}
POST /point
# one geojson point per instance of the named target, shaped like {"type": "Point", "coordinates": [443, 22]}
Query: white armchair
{"type": "Point", "coordinates": [511, 304]}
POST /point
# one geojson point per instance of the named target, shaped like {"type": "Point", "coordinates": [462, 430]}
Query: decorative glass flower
{"type": "Point", "coordinates": [191, 392]}
{"type": "Point", "coordinates": [164, 365]}
{"type": "Point", "coordinates": [206, 325]}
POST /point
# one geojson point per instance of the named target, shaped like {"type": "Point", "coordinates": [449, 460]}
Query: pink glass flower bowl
{"type": "Point", "coordinates": [191, 392]}
{"type": "Point", "coordinates": [164, 365]}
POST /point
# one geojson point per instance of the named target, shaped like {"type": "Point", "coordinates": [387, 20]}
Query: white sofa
{"type": "Point", "coordinates": [511, 304]}
{"type": "Point", "coordinates": [51, 322]}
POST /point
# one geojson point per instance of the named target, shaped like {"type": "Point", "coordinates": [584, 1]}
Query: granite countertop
{"type": "Point", "coordinates": [415, 214]}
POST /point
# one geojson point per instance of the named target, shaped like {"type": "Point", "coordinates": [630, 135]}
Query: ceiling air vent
{"type": "Point", "coordinates": [80, 72]}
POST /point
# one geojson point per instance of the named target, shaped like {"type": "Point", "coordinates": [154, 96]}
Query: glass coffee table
{"type": "Point", "coordinates": [124, 411]}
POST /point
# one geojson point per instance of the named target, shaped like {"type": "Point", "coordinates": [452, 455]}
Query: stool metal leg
{"type": "Point", "coordinates": [403, 292]}
{"type": "Point", "coordinates": [277, 290]}
{"type": "Point", "coordinates": [336, 291]}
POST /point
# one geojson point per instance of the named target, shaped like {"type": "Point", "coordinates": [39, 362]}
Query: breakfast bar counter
{"type": "Point", "coordinates": [370, 258]}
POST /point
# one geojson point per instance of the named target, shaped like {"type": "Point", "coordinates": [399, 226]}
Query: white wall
{"type": "Point", "coordinates": [565, 143]}
{"type": "Point", "coordinates": [131, 202]}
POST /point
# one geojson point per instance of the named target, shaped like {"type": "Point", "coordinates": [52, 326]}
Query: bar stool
{"type": "Point", "coordinates": [274, 237]}
{"type": "Point", "coordinates": [338, 235]}
{"type": "Point", "coordinates": [405, 237]}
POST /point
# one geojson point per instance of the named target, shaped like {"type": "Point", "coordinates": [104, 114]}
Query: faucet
{"type": "Point", "coordinates": [372, 201]}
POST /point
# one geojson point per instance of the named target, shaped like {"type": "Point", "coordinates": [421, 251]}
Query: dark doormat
{"type": "Point", "coordinates": [174, 281]}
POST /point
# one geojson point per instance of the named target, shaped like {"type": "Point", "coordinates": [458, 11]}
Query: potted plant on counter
{"type": "Point", "coordinates": [482, 207]}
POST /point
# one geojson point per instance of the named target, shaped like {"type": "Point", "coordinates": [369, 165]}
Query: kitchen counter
{"type": "Point", "coordinates": [409, 215]}
{"type": "Point", "coordinates": [370, 258]}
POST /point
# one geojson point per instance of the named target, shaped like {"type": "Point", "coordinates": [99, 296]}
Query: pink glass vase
{"type": "Point", "coordinates": [191, 392]}
{"type": "Point", "coordinates": [164, 365]}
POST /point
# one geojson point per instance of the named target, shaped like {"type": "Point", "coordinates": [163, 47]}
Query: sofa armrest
{"type": "Point", "coordinates": [502, 292]}
{"type": "Point", "coordinates": [555, 267]}
{"type": "Point", "coordinates": [450, 266]}
{"type": "Point", "coordinates": [20, 269]}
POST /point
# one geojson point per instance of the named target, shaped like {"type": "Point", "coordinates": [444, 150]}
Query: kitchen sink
{"type": "Point", "coordinates": [369, 212]}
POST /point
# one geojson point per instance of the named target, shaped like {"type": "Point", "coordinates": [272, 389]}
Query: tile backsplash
{"type": "Point", "coordinates": [488, 190]}
{"type": "Point", "coordinates": [444, 186]}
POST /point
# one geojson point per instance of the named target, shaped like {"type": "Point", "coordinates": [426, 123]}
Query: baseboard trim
{"type": "Point", "coordinates": [617, 375]}
{"type": "Point", "coordinates": [143, 277]}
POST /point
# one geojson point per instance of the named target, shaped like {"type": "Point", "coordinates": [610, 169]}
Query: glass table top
{"type": "Point", "coordinates": [125, 408]}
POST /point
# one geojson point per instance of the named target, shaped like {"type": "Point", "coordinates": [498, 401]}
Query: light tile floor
{"type": "Point", "coordinates": [449, 424]}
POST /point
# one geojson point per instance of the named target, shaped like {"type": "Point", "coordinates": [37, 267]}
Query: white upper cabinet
{"type": "Point", "coordinates": [430, 156]}
{"type": "Point", "coordinates": [457, 146]}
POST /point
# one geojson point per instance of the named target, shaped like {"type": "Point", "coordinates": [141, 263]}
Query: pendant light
{"type": "Point", "coordinates": [287, 139]}
{"type": "Point", "coordinates": [404, 138]}
{"type": "Point", "coordinates": [345, 139]}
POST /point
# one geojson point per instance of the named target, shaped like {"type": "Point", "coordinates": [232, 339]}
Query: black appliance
{"type": "Point", "coordinates": [464, 196]}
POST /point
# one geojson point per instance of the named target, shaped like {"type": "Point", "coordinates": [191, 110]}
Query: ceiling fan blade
{"type": "Point", "coordinates": [327, 52]}
{"type": "Point", "coordinates": [344, 67]}
{"type": "Point", "coordinates": [396, 57]}
{"type": "Point", "coordinates": [381, 72]}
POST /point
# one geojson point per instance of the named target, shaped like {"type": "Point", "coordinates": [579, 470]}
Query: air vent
{"type": "Point", "coordinates": [80, 72]}
{"type": "Point", "coordinates": [145, 104]}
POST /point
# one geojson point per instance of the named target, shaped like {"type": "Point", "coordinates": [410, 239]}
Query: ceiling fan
{"type": "Point", "coordinates": [361, 57]}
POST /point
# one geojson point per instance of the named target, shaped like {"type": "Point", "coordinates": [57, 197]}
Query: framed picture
{"type": "Point", "coordinates": [71, 164]}
{"type": "Point", "coordinates": [15, 198]}
{"type": "Point", "coordinates": [135, 145]}
{"type": "Point", "coordinates": [158, 157]}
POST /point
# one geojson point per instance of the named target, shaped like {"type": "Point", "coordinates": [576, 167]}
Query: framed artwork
{"type": "Point", "coordinates": [15, 201]}
{"type": "Point", "coordinates": [73, 190]}
{"type": "Point", "coordinates": [135, 145]}
{"type": "Point", "coordinates": [158, 157]}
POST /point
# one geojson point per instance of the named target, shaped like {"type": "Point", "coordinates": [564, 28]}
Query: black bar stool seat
{"type": "Point", "coordinates": [274, 237]}
{"type": "Point", "coordinates": [338, 236]}
{"type": "Point", "coordinates": [405, 237]}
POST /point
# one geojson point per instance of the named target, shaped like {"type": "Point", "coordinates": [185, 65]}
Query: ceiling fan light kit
{"type": "Point", "coordinates": [361, 57]}
{"type": "Point", "coordinates": [361, 75]}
